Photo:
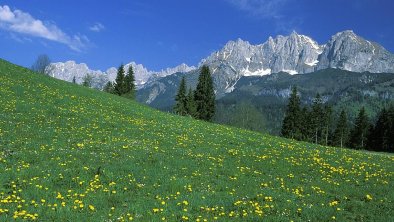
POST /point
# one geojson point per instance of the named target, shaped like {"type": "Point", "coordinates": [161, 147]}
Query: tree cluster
{"type": "Point", "coordinates": [381, 134]}
{"type": "Point", "coordinates": [316, 124]}
{"type": "Point", "coordinates": [199, 103]}
{"type": "Point", "coordinates": [42, 65]}
{"type": "Point", "coordinates": [124, 84]}
{"type": "Point", "coordinates": [87, 80]}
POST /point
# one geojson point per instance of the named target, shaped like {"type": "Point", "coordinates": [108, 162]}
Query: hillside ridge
{"type": "Point", "coordinates": [72, 153]}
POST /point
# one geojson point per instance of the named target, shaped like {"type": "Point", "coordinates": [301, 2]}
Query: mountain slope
{"type": "Point", "coordinates": [340, 89]}
{"type": "Point", "coordinates": [72, 153]}
{"type": "Point", "coordinates": [294, 54]}
{"type": "Point", "coordinates": [347, 51]}
{"type": "Point", "coordinates": [269, 93]}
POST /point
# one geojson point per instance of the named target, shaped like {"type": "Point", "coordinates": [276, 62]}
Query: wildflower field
{"type": "Point", "coordinates": [69, 153]}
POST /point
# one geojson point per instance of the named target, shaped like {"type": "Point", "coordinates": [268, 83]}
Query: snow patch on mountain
{"type": "Point", "coordinates": [291, 72]}
{"type": "Point", "coordinates": [259, 72]}
{"type": "Point", "coordinates": [312, 63]}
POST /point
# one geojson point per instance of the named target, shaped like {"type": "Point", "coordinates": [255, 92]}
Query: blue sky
{"type": "Point", "coordinates": [160, 34]}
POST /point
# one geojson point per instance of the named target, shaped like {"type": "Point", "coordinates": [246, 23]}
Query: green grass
{"type": "Point", "coordinates": [68, 153]}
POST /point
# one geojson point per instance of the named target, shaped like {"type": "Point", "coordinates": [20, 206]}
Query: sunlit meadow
{"type": "Point", "coordinates": [69, 153]}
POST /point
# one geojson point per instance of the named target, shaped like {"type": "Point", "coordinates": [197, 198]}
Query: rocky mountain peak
{"type": "Point", "coordinates": [295, 54]}
{"type": "Point", "coordinates": [348, 51]}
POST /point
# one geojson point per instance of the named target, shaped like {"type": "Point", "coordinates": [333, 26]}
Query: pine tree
{"type": "Point", "coordinates": [390, 131]}
{"type": "Point", "coordinates": [87, 80]}
{"type": "Point", "coordinates": [341, 134]}
{"type": "Point", "coordinates": [180, 107]}
{"type": "Point", "coordinates": [129, 83]}
{"type": "Point", "coordinates": [291, 127]}
{"type": "Point", "coordinates": [381, 134]}
{"type": "Point", "coordinates": [74, 80]}
{"type": "Point", "coordinates": [305, 125]}
{"type": "Point", "coordinates": [326, 127]}
{"type": "Point", "coordinates": [190, 103]}
{"type": "Point", "coordinates": [359, 133]}
{"type": "Point", "coordinates": [120, 87]}
{"type": "Point", "coordinates": [42, 65]}
{"type": "Point", "coordinates": [204, 95]}
{"type": "Point", "coordinates": [317, 118]}
{"type": "Point", "coordinates": [109, 87]}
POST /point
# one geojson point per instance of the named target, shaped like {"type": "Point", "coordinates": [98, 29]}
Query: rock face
{"type": "Point", "coordinates": [70, 69]}
{"type": "Point", "coordinates": [295, 54]}
{"type": "Point", "coordinates": [347, 51]}
{"type": "Point", "coordinates": [292, 54]}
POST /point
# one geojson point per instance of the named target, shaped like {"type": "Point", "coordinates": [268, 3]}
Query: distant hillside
{"type": "Point", "coordinates": [338, 88]}
{"type": "Point", "coordinates": [269, 93]}
{"type": "Point", "coordinates": [69, 153]}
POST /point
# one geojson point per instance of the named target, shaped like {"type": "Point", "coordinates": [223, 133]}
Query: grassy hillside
{"type": "Point", "coordinates": [68, 153]}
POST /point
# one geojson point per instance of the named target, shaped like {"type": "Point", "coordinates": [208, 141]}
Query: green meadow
{"type": "Point", "coordinates": [70, 153]}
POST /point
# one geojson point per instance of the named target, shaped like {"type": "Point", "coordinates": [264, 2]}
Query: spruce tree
{"type": "Point", "coordinates": [129, 83]}
{"type": "Point", "coordinates": [341, 133]}
{"type": "Point", "coordinates": [120, 87]}
{"type": "Point", "coordinates": [382, 132]}
{"type": "Point", "coordinates": [74, 80]}
{"type": "Point", "coordinates": [317, 118]}
{"type": "Point", "coordinates": [305, 128]}
{"type": "Point", "coordinates": [291, 127]}
{"type": "Point", "coordinates": [190, 103]}
{"type": "Point", "coordinates": [204, 95]}
{"type": "Point", "coordinates": [326, 127]}
{"type": "Point", "coordinates": [390, 131]}
{"type": "Point", "coordinates": [109, 87]}
{"type": "Point", "coordinates": [42, 65]}
{"type": "Point", "coordinates": [87, 80]}
{"type": "Point", "coordinates": [181, 99]}
{"type": "Point", "coordinates": [359, 133]}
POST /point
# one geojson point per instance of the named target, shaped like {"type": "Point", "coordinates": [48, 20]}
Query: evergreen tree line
{"type": "Point", "coordinates": [316, 124]}
{"type": "Point", "coordinates": [199, 103]}
{"type": "Point", "coordinates": [124, 84]}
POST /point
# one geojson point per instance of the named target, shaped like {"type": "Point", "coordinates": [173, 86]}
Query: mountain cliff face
{"type": "Point", "coordinates": [70, 69]}
{"type": "Point", "coordinates": [347, 51]}
{"type": "Point", "coordinates": [295, 54]}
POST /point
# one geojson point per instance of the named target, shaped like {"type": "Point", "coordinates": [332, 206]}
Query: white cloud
{"type": "Point", "coordinates": [97, 27]}
{"type": "Point", "coordinates": [260, 8]}
{"type": "Point", "coordinates": [22, 22]}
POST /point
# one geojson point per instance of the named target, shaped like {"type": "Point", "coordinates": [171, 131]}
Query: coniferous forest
{"type": "Point", "coordinates": [316, 123]}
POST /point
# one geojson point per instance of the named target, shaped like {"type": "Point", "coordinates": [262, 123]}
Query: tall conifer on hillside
{"type": "Point", "coordinates": [305, 126]}
{"type": "Point", "coordinates": [120, 87]}
{"type": "Point", "coordinates": [326, 125]}
{"type": "Point", "coordinates": [190, 103]}
{"type": "Point", "coordinates": [181, 99]}
{"type": "Point", "coordinates": [109, 87]}
{"type": "Point", "coordinates": [42, 65]}
{"type": "Point", "coordinates": [87, 80]}
{"type": "Point", "coordinates": [317, 118]}
{"type": "Point", "coordinates": [360, 131]}
{"type": "Point", "coordinates": [129, 80]}
{"type": "Point", "coordinates": [291, 127]}
{"type": "Point", "coordinates": [341, 133]}
{"type": "Point", "coordinates": [382, 134]}
{"type": "Point", "coordinates": [204, 95]}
